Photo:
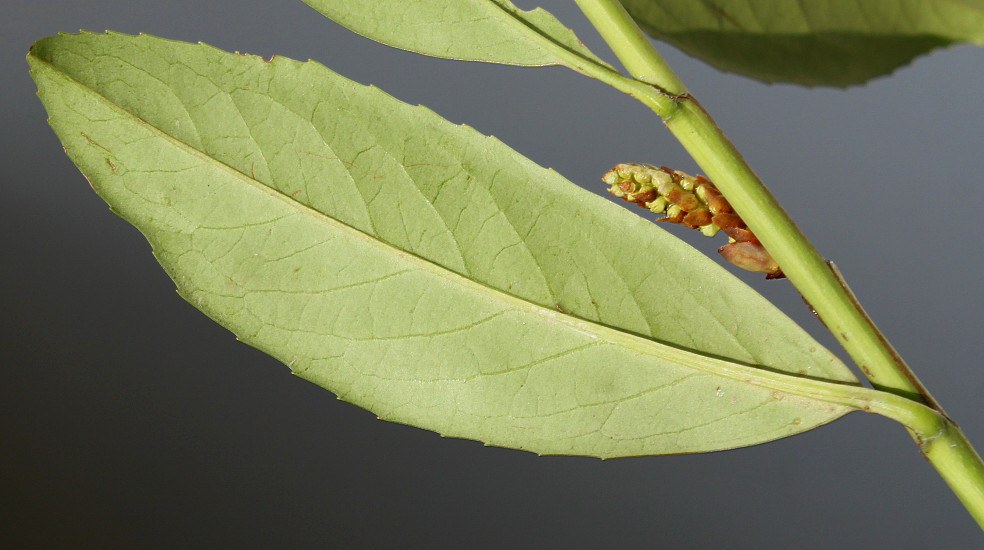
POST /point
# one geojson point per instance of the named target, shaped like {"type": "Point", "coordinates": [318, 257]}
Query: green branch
{"type": "Point", "coordinates": [816, 279]}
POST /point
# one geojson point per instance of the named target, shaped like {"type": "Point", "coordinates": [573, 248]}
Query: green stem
{"type": "Point", "coordinates": [803, 265]}
{"type": "Point", "coordinates": [819, 282]}
{"type": "Point", "coordinates": [960, 466]}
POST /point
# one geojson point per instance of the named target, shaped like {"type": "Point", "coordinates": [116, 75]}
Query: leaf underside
{"type": "Point", "coordinates": [821, 42]}
{"type": "Point", "coordinates": [417, 268]}
{"type": "Point", "coordinates": [476, 30]}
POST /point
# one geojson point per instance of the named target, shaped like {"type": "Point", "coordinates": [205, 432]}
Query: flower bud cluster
{"type": "Point", "coordinates": [694, 202]}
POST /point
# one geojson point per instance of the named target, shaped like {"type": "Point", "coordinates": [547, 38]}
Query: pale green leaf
{"type": "Point", "coordinates": [417, 268]}
{"type": "Point", "coordinates": [820, 42]}
{"type": "Point", "coordinates": [476, 30]}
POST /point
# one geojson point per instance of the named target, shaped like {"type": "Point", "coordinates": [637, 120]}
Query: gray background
{"type": "Point", "coordinates": [129, 420]}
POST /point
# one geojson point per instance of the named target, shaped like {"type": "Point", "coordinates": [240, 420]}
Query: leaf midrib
{"type": "Point", "coordinates": [549, 43]}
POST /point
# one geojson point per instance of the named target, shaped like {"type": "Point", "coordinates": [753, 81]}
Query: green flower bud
{"type": "Point", "coordinates": [658, 206]}
{"type": "Point", "coordinates": [709, 230]}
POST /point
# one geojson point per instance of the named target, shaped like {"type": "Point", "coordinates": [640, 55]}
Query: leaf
{"type": "Point", "coordinates": [475, 30]}
{"type": "Point", "coordinates": [417, 268]}
{"type": "Point", "coordinates": [821, 42]}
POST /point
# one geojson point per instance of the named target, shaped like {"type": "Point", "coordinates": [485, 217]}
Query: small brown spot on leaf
{"type": "Point", "coordinates": [92, 141]}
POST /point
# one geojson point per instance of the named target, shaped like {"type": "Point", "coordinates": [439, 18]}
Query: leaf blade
{"type": "Point", "coordinates": [309, 238]}
{"type": "Point", "coordinates": [495, 31]}
{"type": "Point", "coordinates": [822, 43]}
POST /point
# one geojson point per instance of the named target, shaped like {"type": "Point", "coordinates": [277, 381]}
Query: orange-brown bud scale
{"type": "Point", "coordinates": [697, 218]}
{"type": "Point", "coordinates": [696, 203]}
